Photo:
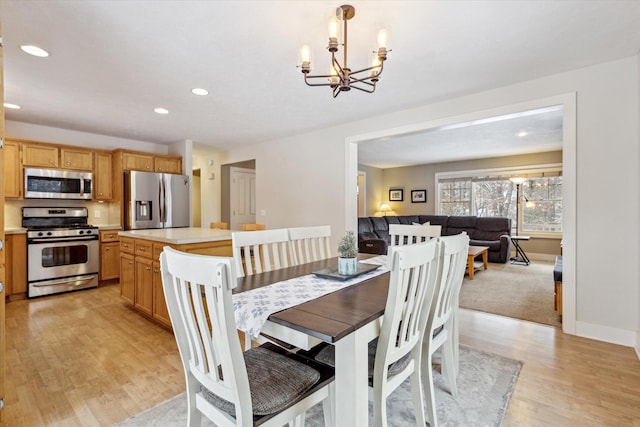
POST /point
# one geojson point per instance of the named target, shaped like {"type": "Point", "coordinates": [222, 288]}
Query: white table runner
{"type": "Point", "coordinates": [253, 308]}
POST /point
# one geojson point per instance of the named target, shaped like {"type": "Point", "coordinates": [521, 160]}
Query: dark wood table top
{"type": "Point", "coordinates": [332, 316]}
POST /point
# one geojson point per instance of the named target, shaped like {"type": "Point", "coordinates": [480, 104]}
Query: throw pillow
{"type": "Point", "coordinates": [417, 223]}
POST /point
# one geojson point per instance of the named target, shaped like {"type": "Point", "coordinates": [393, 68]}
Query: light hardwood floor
{"type": "Point", "coordinates": [86, 359]}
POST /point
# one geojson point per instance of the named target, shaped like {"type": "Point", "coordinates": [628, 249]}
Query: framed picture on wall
{"type": "Point", "coordinates": [418, 196]}
{"type": "Point", "coordinates": [396, 195]}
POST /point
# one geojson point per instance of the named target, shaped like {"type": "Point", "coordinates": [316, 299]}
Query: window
{"type": "Point", "coordinates": [491, 193]}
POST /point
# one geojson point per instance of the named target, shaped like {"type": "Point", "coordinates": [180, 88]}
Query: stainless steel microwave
{"type": "Point", "coordinates": [57, 184]}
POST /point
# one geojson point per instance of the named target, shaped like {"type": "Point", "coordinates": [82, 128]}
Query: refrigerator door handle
{"type": "Point", "coordinates": [161, 199]}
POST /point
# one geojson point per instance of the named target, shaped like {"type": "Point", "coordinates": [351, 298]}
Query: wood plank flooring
{"type": "Point", "coordinates": [86, 359]}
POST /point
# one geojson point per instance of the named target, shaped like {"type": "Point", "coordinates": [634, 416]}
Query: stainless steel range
{"type": "Point", "coordinates": [62, 250]}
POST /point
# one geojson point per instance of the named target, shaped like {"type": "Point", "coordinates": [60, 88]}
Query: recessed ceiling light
{"type": "Point", "coordinates": [522, 134]}
{"type": "Point", "coordinates": [34, 50]}
{"type": "Point", "coordinates": [199, 91]}
{"type": "Point", "coordinates": [161, 110]}
{"type": "Point", "coordinates": [12, 106]}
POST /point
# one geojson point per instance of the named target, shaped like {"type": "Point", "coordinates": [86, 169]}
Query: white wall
{"type": "Point", "coordinates": [209, 184]}
{"type": "Point", "coordinates": [301, 180]}
{"type": "Point", "coordinates": [83, 139]}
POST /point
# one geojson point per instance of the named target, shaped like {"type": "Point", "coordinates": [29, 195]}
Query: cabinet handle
{"type": "Point", "coordinates": [148, 268]}
{"type": "Point", "coordinates": [155, 270]}
{"type": "Point", "coordinates": [50, 161]}
{"type": "Point", "coordinates": [107, 249]}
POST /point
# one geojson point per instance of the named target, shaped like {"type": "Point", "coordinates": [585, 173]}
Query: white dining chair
{"type": "Point", "coordinates": [259, 251]}
{"type": "Point", "coordinates": [397, 353]}
{"type": "Point", "coordinates": [441, 326]}
{"type": "Point", "coordinates": [407, 234]}
{"type": "Point", "coordinates": [265, 385]}
{"type": "Point", "coordinates": [308, 244]}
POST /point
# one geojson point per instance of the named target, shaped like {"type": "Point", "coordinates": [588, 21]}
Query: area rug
{"type": "Point", "coordinates": [513, 290]}
{"type": "Point", "coordinates": [485, 384]}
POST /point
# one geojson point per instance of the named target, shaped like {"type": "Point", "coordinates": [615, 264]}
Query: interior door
{"type": "Point", "coordinates": [2, 240]}
{"type": "Point", "coordinates": [242, 197]}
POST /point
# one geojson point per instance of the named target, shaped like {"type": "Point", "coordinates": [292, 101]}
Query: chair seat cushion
{"type": "Point", "coordinates": [275, 381]}
{"type": "Point", "coordinates": [327, 356]}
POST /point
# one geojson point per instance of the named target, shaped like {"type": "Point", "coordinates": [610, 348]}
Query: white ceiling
{"type": "Point", "coordinates": [113, 62]}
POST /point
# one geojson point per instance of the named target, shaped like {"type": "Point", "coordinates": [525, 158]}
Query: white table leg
{"type": "Point", "coordinates": [351, 396]}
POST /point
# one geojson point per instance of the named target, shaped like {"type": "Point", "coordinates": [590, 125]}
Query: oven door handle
{"type": "Point", "coordinates": [58, 240]}
{"type": "Point", "coordinates": [79, 280]}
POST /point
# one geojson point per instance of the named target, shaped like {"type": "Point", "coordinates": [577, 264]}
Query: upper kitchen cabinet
{"type": "Point", "coordinates": [76, 159]}
{"type": "Point", "coordinates": [103, 177]}
{"type": "Point", "coordinates": [12, 174]}
{"type": "Point", "coordinates": [168, 164]}
{"type": "Point", "coordinates": [137, 161]}
{"type": "Point", "coordinates": [40, 155]}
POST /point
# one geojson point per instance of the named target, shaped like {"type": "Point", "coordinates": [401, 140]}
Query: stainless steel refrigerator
{"type": "Point", "coordinates": [156, 200]}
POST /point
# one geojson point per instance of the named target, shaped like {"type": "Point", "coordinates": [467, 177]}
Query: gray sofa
{"type": "Point", "coordinates": [494, 232]}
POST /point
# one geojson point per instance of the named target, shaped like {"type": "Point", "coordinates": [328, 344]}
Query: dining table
{"type": "Point", "coordinates": [348, 318]}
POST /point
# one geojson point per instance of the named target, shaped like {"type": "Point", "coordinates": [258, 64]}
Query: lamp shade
{"type": "Point", "coordinates": [517, 179]}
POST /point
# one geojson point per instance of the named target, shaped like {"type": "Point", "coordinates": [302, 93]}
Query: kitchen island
{"type": "Point", "coordinates": [140, 279]}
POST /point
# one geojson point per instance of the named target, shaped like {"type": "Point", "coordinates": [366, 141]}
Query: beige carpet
{"type": "Point", "coordinates": [485, 384]}
{"type": "Point", "coordinates": [513, 290]}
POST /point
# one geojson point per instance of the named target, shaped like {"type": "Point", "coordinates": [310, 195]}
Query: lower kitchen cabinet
{"type": "Point", "coordinates": [144, 285]}
{"type": "Point", "coordinates": [140, 277]}
{"type": "Point", "coordinates": [160, 311]}
{"type": "Point", "coordinates": [16, 266]}
{"type": "Point", "coordinates": [127, 277]}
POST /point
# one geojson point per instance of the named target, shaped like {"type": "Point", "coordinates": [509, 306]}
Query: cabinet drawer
{"type": "Point", "coordinates": [126, 245]}
{"type": "Point", "coordinates": [144, 248]}
{"type": "Point", "coordinates": [109, 236]}
{"type": "Point", "coordinates": [157, 250]}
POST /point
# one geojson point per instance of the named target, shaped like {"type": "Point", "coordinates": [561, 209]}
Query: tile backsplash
{"type": "Point", "coordinates": [100, 214]}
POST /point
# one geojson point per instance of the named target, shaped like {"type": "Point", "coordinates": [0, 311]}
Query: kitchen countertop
{"type": "Point", "coordinates": [15, 230]}
{"type": "Point", "coordinates": [180, 236]}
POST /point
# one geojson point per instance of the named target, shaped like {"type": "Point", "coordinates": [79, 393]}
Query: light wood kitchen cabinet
{"type": "Point", "coordinates": [12, 174]}
{"type": "Point", "coordinates": [109, 255]}
{"type": "Point", "coordinates": [102, 177]}
{"type": "Point", "coordinates": [76, 159]}
{"type": "Point", "coordinates": [160, 310]}
{"type": "Point", "coordinates": [137, 162]}
{"type": "Point", "coordinates": [127, 277]}
{"type": "Point", "coordinates": [168, 164]}
{"type": "Point", "coordinates": [148, 292]}
{"type": "Point", "coordinates": [143, 301]}
{"type": "Point", "coordinates": [16, 266]}
{"type": "Point", "coordinates": [40, 155]}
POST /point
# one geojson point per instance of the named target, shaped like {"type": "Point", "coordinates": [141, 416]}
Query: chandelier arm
{"type": "Point", "coordinates": [339, 70]}
{"type": "Point", "coordinates": [365, 90]}
{"type": "Point", "coordinates": [316, 77]}
{"type": "Point", "coordinates": [336, 91]}
{"type": "Point", "coordinates": [368, 69]}
{"type": "Point", "coordinates": [366, 80]}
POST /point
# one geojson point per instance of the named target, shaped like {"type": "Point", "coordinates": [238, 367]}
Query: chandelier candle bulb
{"type": "Point", "coordinates": [382, 39]}
{"type": "Point", "coordinates": [305, 56]}
{"type": "Point", "coordinates": [333, 28]}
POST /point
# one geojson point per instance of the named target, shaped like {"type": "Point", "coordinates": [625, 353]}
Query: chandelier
{"type": "Point", "coordinates": [342, 78]}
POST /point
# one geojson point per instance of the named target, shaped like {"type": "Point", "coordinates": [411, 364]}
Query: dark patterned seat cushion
{"type": "Point", "coordinates": [327, 356]}
{"type": "Point", "coordinates": [275, 381]}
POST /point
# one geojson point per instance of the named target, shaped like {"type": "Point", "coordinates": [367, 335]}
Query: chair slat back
{"type": "Point", "coordinates": [253, 227]}
{"type": "Point", "coordinates": [308, 244]}
{"type": "Point", "coordinates": [259, 251]}
{"type": "Point", "coordinates": [412, 284]}
{"type": "Point", "coordinates": [406, 234]}
{"type": "Point", "coordinates": [456, 249]}
{"type": "Point", "coordinates": [197, 289]}
{"type": "Point", "coordinates": [220, 225]}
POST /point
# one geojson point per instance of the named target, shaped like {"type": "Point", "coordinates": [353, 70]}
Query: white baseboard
{"type": "Point", "coordinates": [608, 334]}
{"type": "Point", "coordinates": [638, 345]}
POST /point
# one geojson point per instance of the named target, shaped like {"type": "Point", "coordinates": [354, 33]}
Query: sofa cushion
{"type": "Point", "coordinates": [365, 225]}
{"type": "Point", "coordinates": [493, 245]}
{"type": "Point", "coordinates": [408, 219]}
{"type": "Point", "coordinates": [440, 220]}
{"type": "Point", "coordinates": [458, 224]}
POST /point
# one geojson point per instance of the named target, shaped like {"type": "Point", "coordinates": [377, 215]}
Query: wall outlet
{"type": "Point", "coordinates": [97, 214]}
{"type": "Point", "coordinates": [263, 212]}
